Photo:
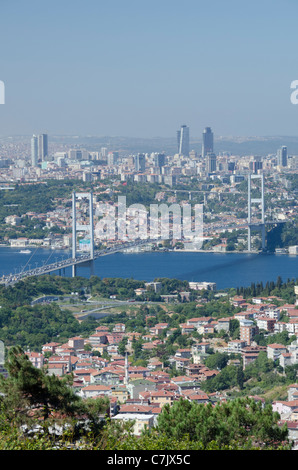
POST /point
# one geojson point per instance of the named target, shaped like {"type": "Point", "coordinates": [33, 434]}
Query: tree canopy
{"type": "Point", "coordinates": [237, 421]}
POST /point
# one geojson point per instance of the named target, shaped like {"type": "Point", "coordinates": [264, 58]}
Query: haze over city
{"type": "Point", "coordinates": [141, 69]}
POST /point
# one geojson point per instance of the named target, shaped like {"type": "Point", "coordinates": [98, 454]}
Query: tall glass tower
{"type": "Point", "coordinates": [207, 143]}
{"type": "Point", "coordinates": [183, 140]}
{"type": "Point", "coordinates": [34, 151]}
{"type": "Point", "coordinates": [42, 147]}
{"type": "Point", "coordinates": [282, 156]}
{"type": "Point", "coordinates": [211, 162]}
{"type": "Point", "coordinates": [140, 162]}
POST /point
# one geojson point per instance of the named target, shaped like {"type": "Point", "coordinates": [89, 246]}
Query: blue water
{"type": "Point", "coordinates": [225, 269]}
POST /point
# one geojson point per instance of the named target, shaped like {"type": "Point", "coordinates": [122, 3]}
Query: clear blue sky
{"type": "Point", "coordinates": [142, 68]}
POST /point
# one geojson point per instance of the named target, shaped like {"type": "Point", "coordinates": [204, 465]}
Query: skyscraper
{"type": "Point", "coordinates": [140, 162]}
{"type": "Point", "coordinates": [183, 140]}
{"type": "Point", "coordinates": [282, 156]}
{"type": "Point", "coordinates": [207, 143]}
{"type": "Point", "coordinates": [75, 155]}
{"type": "Point", "coordinates": [34, 150]}
{"type": "Point", "coordinates": [159, 160]}
{"type": "Point", "coordinates": [211, 162]}
{"type": "Point", "coordinates": [113, 158]}
{"type": "Point", "coordinates": [42, 147]}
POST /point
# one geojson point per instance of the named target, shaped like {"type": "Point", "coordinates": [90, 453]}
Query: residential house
{"type": "Point", "coordinates": [223, 324]}
{"type": "Point", "coordinates": [240, 316]}
{"type": "Point", "coordinates": [50, 347]}
{"type": "Point", "coordinates": [209, 328]}
{"type": "Point", "coordinates": [108, 376]}
{"type": "Point", "coordinates": [121, 392]}
{"type": "Point", "coordinates": [158, 328]}
{"type": "Point", "coordinates": [235, 346]}
{"type": "Point", "coordinates": [291, 310]}
{"type": "Point", "coordinates": [87, 375]}
{"type": "Point", "coordinates": [180, 362]}
{"type": "Point", "coordinates": [187, 329]}
{"type": "Point", "coordinates": [293, 391]}
{"type": "Point", "coordinates": [159, 397]}
{"type": "Point", "coordinates": [238, 301]}
{"type": "Point", "coordinates": [285, 359]}
{"type": "Point", "coordinates": [95, 390]}
{"type": "Point", "coordinates": [114, 338]}
{"type": "Point", "coordinates": [119, 328]}
{"type": "Point", "coordinates": [143, 371]}
{"type": "Point", "coordinates": [192, 370]}
{"type": "Point", "coordinates": [36, 359]}
{"type": "Point", "coordinates": [154, 364]}
{"type": "Point", "coordinates": [141, 421]}
{"type": "Point", "coordinates": [197, 396]}
{"type": "Point", "coordinates": [285, 408]}
{"type": "Point", "coordinates": [249, 357]}
{"type": "Point", "coordinates": [57, 369]}
{"type": "Point", "coordinates": [280, 326]}
{"type": "Point", "coordinates": [292, 326]}
{"type": "Point", "coordinates": [65, 361]}
{"type": "Point", "coordinates": [265, 323]}
{"type": "Point", "coordinates": [275, 350]}
{"type": "Point", "coordinates": [196, 322]}
{"type": "Point", "coordinates": [76, 343]}
{"type": "Point", "coordinates": [98, 339]}
{"type": "Point", "coordinates": [199, 348]}
{"type": "Point", "coordinates": [185, 353]}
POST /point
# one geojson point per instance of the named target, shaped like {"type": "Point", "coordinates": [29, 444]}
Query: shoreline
{"type": "Point", "coordinates": [155, 251]}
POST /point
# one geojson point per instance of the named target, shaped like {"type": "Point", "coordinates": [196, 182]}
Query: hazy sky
{"type": "Point", "coordinates": [142, 68]}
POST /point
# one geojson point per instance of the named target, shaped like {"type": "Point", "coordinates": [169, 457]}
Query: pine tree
{"type": "Point", "coordinates": [30, 393]}
{"type": "Point", "coordinates": [240, 421]}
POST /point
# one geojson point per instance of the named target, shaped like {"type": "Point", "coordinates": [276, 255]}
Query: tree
{"type": "Point", "coordinates": [237, 421]}
{"type": "Point", "coordinates": [122, 346]}
{"type": "Point", "coordinates": [217, 361]}
{"type": "Point", "coordinates": [234, 329]}
{"type": "Point", "coordinates": [240, 377]}
{"type": "Point", "coordinates": [30, 393]}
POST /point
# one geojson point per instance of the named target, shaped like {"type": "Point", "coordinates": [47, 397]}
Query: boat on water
{"type": "Point", "coordinates": [25, 251]}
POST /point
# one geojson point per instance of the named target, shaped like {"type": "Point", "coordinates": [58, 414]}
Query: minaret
{"type": "Point", "coordinates": [126, 369]}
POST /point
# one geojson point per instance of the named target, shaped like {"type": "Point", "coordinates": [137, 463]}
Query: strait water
{"type": "Point", "coordinates": [225, 269]}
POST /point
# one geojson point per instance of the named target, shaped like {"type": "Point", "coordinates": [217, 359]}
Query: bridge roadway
{"type": "Point", "coordinates": [11, 279]}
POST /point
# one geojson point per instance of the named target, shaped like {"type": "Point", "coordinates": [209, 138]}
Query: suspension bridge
{"type": "Point", "coordinates": [87, 259]}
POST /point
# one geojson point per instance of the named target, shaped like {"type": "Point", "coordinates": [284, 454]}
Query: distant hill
{"type": "Point", "coordinates": [236, 145]}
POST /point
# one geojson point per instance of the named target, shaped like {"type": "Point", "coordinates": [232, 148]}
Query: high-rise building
{"type": "Point", "coordinates": [255, 165]}
{"type": "Point", "coordinates": [75, 155]}
{"type": "Point", "coordinates": [42, 147]}
{"type": "Point", "coordinates": [247, 331]}
{"type": "Point", "coordinates": [159, 160]}
{"type": "Point", "coordinates": [113, 158]}
{"type": "Point", "coordinates": [34, 150]}
{"type": "Point", "coordinates": [231, 166]}
{"type": "Point", "coordinates": [282, 156]}
{"type": "Point", "coordinates": [207, 141]}
{"type": "Point", "coordinates": [104, 152]}
{"type": "Point", "coordinates": [140, 162]}
{"type": "Point", "coordinates": [211, 162]}
{"type": "Point", "coordinates": [183, 140]}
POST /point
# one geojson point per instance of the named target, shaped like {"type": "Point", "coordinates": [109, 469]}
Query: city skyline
{"type": "Point", "coordinates": [67, 71]}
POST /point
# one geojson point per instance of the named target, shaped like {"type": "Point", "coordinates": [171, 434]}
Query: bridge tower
{"type": "Point", "coordinates": [256, 226]}
{"type": "Point", "coordinates": [88, 228]}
